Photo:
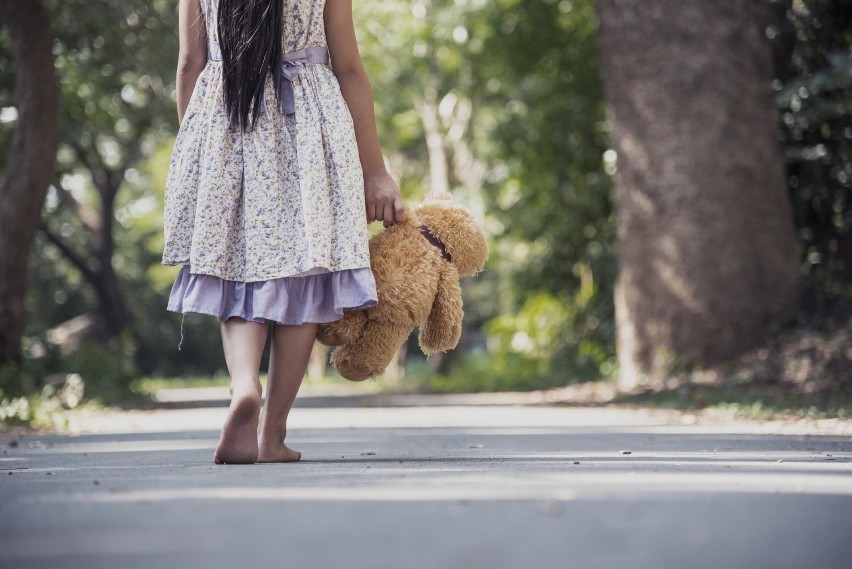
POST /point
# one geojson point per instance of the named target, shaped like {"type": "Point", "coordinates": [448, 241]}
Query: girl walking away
{"type": "Point", "coordinates": [275, 174]}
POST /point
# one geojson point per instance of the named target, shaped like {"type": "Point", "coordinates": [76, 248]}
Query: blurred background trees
{"type": "Point", "coordinates": [499, 101]}
{"type": "Point", "coordinates": [813, 80]}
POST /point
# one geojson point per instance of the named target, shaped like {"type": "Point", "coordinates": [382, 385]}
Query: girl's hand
{"type": "Point", "coordinates": [384, 202]}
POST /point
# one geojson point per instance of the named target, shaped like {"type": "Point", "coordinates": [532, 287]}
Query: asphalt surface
{"type": "Point", "coordinates": [431, 483]}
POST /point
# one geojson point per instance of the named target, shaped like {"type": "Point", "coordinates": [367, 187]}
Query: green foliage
{"type": "Point", "coordinates": [526, 74]}
{"type": "Point", "coordinates": [11, 380]}
{"type": "Point", "coordinates": [106, 371]}
{"type": "Point", "coordinates": [96, 371]}
{"type": "Point", "coordinates": [480, 372]}
{"type": "Point", "coordinates": [45, 409]}
{"type": "Point", "coordinates": [521, 117]}
{"type": "Point", "coordinates": [116, 63]}
{"type": "Point", "coordinates": [32, 411]}
{"type": "Point", "coordinates": [812, 41]}
{"type": "Point", "coordinates": [531, 75]}
{"type": "Point", "coordinates": [536, 347]}
{"type": "Point", "coordinates": [548, 190]}
{"type": "Point", "coordinates": [413, 51]}
{"type": "Point", "coordinates": [113, 59]}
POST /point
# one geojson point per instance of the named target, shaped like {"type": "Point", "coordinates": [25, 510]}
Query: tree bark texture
{"type": "Point", "coordinates": [31, 161]}
{"type": "Point", "coordinates": [707, 259]}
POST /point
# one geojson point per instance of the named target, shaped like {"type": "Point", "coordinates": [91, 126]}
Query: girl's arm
{"type": "Point", "coordinates": [380, 191]}
{"type": "Point", "coordinates": [193, 51]}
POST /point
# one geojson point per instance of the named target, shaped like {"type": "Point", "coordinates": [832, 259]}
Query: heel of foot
{"type": "Point", "coordinates": [278, 453]}
{"type": "Point", "coordinates": [238, 443]}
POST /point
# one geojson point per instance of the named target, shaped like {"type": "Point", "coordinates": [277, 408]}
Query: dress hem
{"type": "Point", "coordinates": [265, 318]}
{"type": "Point", "coordinates": [314, 298]}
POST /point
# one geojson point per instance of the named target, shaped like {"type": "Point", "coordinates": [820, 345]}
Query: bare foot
{"type": "Point", "coordinates": [238, 443]}
{"type": "Point", "coordinates": [277, 453]}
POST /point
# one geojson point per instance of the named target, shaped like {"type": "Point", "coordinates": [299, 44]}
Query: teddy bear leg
{"type": "Point", "coordinates": [344, 330]}
{"type": "Point", "coordinates": [443, 327]}
{"type": "Point", "coordinates": [369, 355]}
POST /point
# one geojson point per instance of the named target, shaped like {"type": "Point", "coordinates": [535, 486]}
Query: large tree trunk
{"type": "Point", "coordinates": [707, 253]}
{"type": "Point", "coordinates": [30, 164]}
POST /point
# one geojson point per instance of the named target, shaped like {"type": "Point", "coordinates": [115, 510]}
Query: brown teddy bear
{"type": "Point", "coordinates": [417, 265]}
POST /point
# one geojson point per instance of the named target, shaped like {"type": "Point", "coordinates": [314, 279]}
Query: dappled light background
{"type": "Point", "coordinates": [501, 102]}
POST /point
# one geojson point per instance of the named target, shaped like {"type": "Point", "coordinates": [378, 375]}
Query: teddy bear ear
{"type": "Point", "coordinates": [472, 251]}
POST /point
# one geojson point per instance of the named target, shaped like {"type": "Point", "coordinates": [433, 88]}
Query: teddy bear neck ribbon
{"type": "Point", "coordinates": [288, 71]}
{"type": "Point", "coordinates": [431, 238]}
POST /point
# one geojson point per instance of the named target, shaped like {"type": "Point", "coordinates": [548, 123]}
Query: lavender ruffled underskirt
{"type": "Point", "coordinates": [318, 296]}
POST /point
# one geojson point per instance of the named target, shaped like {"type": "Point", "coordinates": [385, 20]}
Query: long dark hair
{"type": "Point", "coordinates": [250, 38]}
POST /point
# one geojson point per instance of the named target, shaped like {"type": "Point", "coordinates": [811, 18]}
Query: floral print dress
{"type": "Point", "coordinates": [269, 224]}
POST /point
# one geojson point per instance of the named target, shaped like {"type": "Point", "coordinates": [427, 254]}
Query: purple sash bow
{"type": "Point", "coordinates": [291, 66]}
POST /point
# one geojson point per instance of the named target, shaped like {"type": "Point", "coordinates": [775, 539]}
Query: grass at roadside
{"type": "Point", "coordinates": [805, 371]}
{"type": "Point", "coordinates": [40, 413]}
{"type": "Point", "coordinates": [733, 394]}
{"type": "Point", "coordinates": [748, 399]}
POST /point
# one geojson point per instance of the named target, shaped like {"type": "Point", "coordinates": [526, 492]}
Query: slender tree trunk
{"type": "Point", "coordinates": [107, 285]}
{"type": "Point", "coordinates": [112, 305]}
{"type": "Point", "coordinates": [707, 253]}
{"type": "Point", "coordinates": [30, 164]}
{"type": "Point", "coordinates": [439, 171]}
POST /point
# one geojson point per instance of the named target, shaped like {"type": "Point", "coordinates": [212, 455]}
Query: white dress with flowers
{"type": "Point", "coordinates": [279, 209]}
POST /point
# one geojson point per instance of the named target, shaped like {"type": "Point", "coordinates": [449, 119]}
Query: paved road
{"type": "Point", "coordinates": [444, 485]}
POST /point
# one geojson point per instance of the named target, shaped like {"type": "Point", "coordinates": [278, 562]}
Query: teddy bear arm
{"type": "Point", "coordinates": [344, 330]}
{"type": "Point", "coordinates": [443, 326]}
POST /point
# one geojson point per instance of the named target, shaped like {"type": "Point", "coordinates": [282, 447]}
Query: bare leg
{"type": "Point", "coordinates": [243, 343]}
{"type": "Point", "coordinates": [288, 359]}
